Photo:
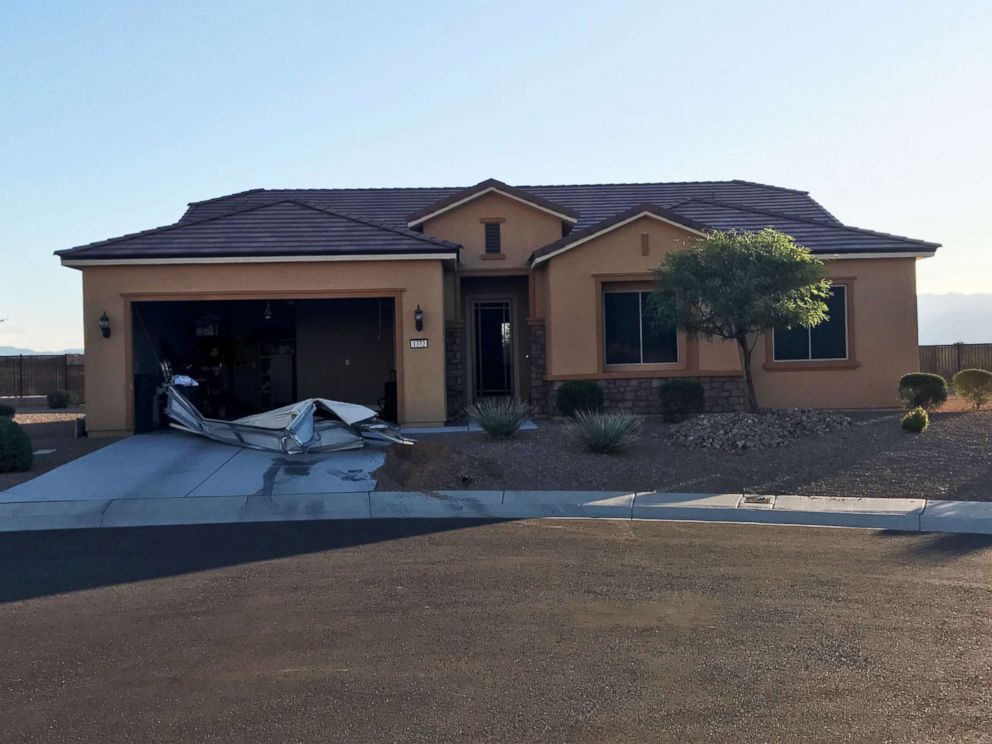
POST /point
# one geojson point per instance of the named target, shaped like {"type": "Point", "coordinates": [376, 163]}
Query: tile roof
{"type": "Point", "coordinates": [592, 202]}
{"type": "Point", "coordinates": [283, 228]}
{"type": "Point", "coordinates": [819, 237]}
{"type": "Point", "coordinates": [273, 222]}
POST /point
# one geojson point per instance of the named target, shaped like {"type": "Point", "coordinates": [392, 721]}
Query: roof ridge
{"type": "Point", "coordinates": [810, 221]}
{"type": "Point", "coordinates": [627, 183]}
{"type": "Point", "coordinates": [770, 186]}
{"type": "Point", "coordinates": [522, 186]}
{"type": "Point", "coordinates": [225, 196]}
{"type": "Point", "coordinates": [266, 205]}
{"type": "Point", "coordinates": [161, 229]}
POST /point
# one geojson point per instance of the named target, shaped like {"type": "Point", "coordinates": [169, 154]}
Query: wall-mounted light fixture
{"type": "Point", "coordinates": [104, 323]}
{"type": "Point", "coordinates": [267, 313]}
{"type": "Point", "coordinates": [418, 318]}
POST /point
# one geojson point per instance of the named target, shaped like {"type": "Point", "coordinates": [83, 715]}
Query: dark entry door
{"type": "Point", "coordinates": [493, 362]}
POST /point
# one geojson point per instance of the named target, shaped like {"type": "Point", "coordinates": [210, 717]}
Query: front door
{"type": "Point", "coordinates": [492, 363]}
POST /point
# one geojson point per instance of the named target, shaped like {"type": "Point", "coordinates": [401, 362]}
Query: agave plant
{"type": "Point", "coordinates": [499, 417]}
{"type": "Point", "coordinates": [604, 432]}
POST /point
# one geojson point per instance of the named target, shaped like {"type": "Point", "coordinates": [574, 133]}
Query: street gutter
{"type": "Point", "coordinates": [911, 515]}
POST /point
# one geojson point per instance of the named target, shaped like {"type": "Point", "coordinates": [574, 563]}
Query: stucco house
{"type": "Point", "coordinates": [422, 300]}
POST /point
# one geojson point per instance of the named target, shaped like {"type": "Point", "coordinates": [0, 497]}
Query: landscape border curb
{"type": "Point", "coordinates": [909, 515]}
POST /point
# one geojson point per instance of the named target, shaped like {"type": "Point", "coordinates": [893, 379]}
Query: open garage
{"type": "Point", "coordinates": [263, 306]}
{"type": "Point", "coordinates": [248, 356]}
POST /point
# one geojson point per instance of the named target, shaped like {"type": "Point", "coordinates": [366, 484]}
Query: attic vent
{"type": "Point", "coordinates": [492, 237]}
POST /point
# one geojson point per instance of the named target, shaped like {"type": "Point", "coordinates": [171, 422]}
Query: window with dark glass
{"type": "Point", "coordinates": [827, 341]}
{"type": "Point", "coordinates": [631, 335]}
{"type": "Point", "coordinates": [492, 237]}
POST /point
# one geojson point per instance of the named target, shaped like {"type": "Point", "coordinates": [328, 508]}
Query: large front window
{"type": "Point", "coordinates": [827, 341]}
{"type": "Point", "coordinates": [631, 335]}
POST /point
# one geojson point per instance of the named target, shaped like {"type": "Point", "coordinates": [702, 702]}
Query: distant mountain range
{"type": "Point", "coordinates": [949, 318]}
{"type": "Point", "coordinates": [15, 350]}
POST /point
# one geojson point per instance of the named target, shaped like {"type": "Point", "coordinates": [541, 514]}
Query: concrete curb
{"type": "Point", "coordinates": [912, 515]}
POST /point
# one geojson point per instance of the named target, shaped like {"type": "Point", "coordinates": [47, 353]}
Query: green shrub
{"type": "Point", "coordinates": [604, 432]}
{"type": "Point", "coordinates": [6, 410]}
{"type": "Point", "coordinates": [15, 447]}
{"type": "Point", "coordinates": [974, 385]}
{"type": "Point", "coordinates": [916, 420]}
{"type": "Point", "coordinates": [499, 417]}
{"type": "Point", "coordinates": [579, 395]}
{"type": "Point", "coordinates": [58, 399]}
{"type": "Point", "coordinates": [680, 399]}
{"type": "Point", "coordinates": [923, 390]}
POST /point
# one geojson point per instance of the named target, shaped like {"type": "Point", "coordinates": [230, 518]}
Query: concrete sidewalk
{"type": "Point", "coordinates": [896, 514]}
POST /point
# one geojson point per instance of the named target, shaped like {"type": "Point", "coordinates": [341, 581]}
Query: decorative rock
{"type": "Point", "coordinates": [741, 431]}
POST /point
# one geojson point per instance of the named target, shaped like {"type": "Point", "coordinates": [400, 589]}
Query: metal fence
{"type": "Point", "coordinates": [947, 360]}
{"type": "Point", "coordinates": [41, 374]}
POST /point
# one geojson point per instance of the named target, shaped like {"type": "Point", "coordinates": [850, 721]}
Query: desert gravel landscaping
{"type": "Point", "coordinates": [870, 457]}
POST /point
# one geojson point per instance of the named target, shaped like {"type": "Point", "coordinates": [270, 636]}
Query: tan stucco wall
{"type": "Point", "coordinates": [109, 389]}
{"type": "Point", "coordinates": [524, 230]}
{"type": "Point", "coordinates": [883, 322]}
{"type": "Point", "coordinates": [882, 335]}
{"type": "Point", "coordinates": [572, 314]}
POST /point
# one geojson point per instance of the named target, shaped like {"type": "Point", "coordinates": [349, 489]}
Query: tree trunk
{"type": "Point", "coordinates": [752, 397]}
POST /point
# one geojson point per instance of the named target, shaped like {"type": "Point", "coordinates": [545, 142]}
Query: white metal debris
{"type": "Point", "coordinates": [312, 425]}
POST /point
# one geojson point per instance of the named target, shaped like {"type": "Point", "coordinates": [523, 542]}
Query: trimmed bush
{"type": "Point", "coordinates": [975, 386]}
{"type": "Point", "coordinates": [579, 395]}
{"type": "Point", "coordinates": [58, 399]}
{"type": "Point", "coordinates": [916, 421]}
{"type": "Point", "coordinates": [680, 399]}
{"type": "Point", "coordinates": [604, 432]}
{"type": "Point", "coordinates": [15, 447]}
{"type": "Point", "coordinates": [499, 417]}
{"type": "Point", "coordinates": [922, 390]}
{"type": "Point", "coordinates": [7, 411]}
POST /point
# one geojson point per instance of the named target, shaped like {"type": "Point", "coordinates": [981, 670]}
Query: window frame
{"type": "Point", "coordinates": [847, 362]}
{"type": "Point", "coordinates": [618, 366]}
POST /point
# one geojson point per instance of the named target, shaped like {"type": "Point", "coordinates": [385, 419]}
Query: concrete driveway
{"type": "Point", "coordinates": [174, 465]}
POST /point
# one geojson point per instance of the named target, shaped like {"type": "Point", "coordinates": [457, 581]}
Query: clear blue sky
{"type": "Point", "coordinates": [114, 115]}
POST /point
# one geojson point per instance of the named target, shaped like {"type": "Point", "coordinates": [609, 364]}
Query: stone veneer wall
{"type": "Point", "coordinates": [539, 387]}
{"type": "Point", "coordinates": [455, 370]}
{"type": "Point", "coordinates": [640, 394]}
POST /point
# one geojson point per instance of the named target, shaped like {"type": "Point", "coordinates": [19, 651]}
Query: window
{"type": "Point", "coordinates": [492, 237]}
{"type": "Point", "coordinates": [827, 341]}
{"type": "Point", "coordinates": [631, 335]}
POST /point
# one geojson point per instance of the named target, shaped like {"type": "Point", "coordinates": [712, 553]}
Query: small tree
{"type": "Point", "coordinates": [737, 285]}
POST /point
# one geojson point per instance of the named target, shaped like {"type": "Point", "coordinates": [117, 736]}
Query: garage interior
{"type": "Point", "coordinates": [249, 356]}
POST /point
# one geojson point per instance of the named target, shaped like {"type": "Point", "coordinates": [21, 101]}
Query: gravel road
{"type": "Point", "coordinates": [541, 631]}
